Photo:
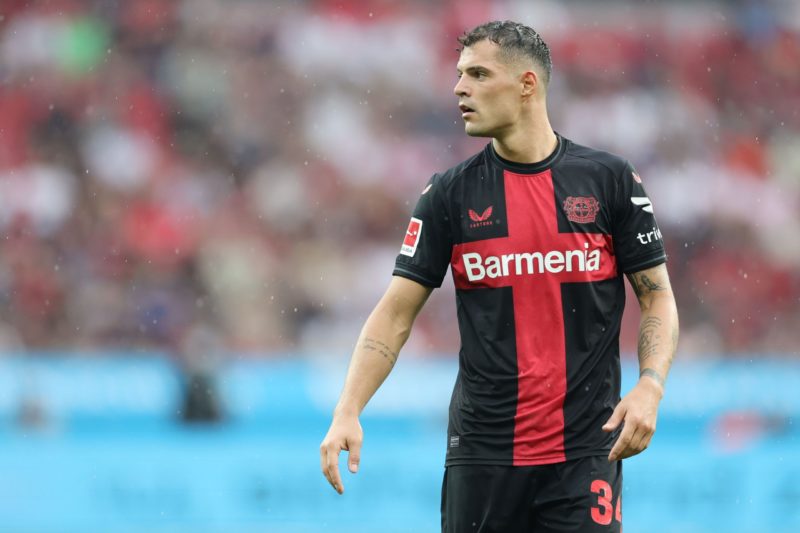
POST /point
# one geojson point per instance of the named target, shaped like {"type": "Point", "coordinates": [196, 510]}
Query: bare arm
{"type": "Point", "coordinates": [658, 327]}
{"type": "Point", "coordinates": [384, 334]}
{"type": "Point", "coordinates": [658, 340]}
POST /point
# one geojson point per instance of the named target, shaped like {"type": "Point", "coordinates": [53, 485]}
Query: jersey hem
{"type": "Point", "coordinates": [533, 462]}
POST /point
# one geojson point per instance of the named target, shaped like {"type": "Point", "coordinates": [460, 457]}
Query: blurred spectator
{"type": "Point", "coordinates": [201, 354]}
{"type": "Point", "coordinates": [251, 164]}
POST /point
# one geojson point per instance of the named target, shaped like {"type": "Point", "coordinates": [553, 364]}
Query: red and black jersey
{"type": "Point", "coordinates": [537, 253]}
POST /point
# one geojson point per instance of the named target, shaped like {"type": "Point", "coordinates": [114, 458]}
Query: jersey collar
{"type": "Point", "coordinates": [529, 168]}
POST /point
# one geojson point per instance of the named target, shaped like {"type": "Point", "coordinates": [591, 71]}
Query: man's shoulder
{"type": "Point", "coordinates": [447, 177]}
{"type": "Point", "coordinates": [594, 157]}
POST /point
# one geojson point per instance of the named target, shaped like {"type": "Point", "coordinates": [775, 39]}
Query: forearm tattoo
{"type": "Point", "coordinates": [649, 338]}
{"type": "Point", "coordinates": [642, 284]}
{"type": "Point", "coordinates": [653, 374]}
{"type": "Point", "coordinates": [373, 345]}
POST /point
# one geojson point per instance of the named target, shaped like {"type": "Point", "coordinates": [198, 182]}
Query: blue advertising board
{"type": "Point", "coordinates": [107, 450]}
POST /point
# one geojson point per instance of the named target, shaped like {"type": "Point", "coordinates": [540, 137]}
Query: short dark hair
{"type": "Point", "coordinates": [514, 39]}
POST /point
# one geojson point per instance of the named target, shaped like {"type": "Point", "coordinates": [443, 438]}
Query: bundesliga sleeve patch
{"type": "Point", "coordinates": [411, 240]}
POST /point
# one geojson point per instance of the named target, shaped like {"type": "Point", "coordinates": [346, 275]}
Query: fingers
{"type": "Point", "coordinates": [635, 445]}
{"type": "Point", "coordinates": [616, 418]}
{"type": "Point", "coordinates": [354, 456]}
{"type": "Point", "coordinates": [644, 433]}
{"type": "Point", "coordinates": [634, 439]}
{"type": "Point", "coordinates": [621, 446]}
{"type": "Point", "coordinates": [329, 457]}
{"type": "Point", "coordinates": [344, 434]}
{"type": "Point", "coordinates": [637, 412]}
{"type": "Point", "coordinates": [329, 461]}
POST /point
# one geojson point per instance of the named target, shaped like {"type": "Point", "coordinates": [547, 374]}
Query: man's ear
{"type": "Point", "coordinates": [530, 83]}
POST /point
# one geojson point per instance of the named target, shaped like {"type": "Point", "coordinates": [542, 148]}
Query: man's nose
{"type": "Point", "coordinates": [461, 88]}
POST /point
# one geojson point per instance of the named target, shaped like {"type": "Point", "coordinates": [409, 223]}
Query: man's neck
{"type": "Point", "coordinates": [527, 145]}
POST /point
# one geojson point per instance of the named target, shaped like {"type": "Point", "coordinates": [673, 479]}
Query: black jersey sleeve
{"type": "Point", "coordinates": [427, 245]}
{"type": "Point", "coordinates": [638, 243]}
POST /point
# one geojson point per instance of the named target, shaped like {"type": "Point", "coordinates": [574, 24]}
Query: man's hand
{"type": "Point", "coordinates": [345, 433]}
{"type": "Point", "coordinates": [384, 334]}
{"type": "Point", "coordinates": [638, 410]}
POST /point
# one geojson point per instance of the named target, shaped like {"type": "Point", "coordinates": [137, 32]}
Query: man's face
{"type": "Point", "coordinates": [488, 91]}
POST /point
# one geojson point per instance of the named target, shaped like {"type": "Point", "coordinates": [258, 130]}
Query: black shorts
{"type": "Point", "coordinates": [580, 495]}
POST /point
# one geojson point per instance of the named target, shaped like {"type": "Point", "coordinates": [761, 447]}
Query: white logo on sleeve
{"type": "Point", "coordinates": [643, 202]}
{"type": "Point", "coordinates": [650, 236]}
{"type": "Point", "coordinates": [411, 239]}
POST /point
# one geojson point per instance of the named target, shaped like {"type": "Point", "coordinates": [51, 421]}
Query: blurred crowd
{"type": "Point", "coordinates": [242, 171]}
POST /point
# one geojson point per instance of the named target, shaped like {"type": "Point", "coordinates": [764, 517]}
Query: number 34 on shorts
{"type": "Point", "coordinates": [604, 511]}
